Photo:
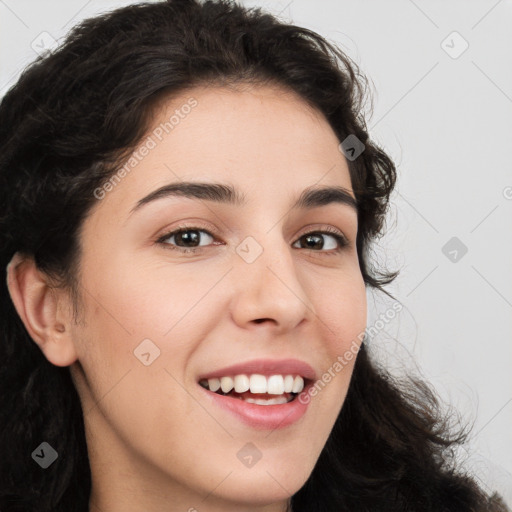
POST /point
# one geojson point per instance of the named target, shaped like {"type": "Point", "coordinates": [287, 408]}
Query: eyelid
{"type": "Point", "coordinates": [322, 228]}
{"type": "Point", "coordinates": [194, 225]}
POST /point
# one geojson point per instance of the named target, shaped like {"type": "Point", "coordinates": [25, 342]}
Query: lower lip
{"type": "Point", "coordinates": [262, 417]}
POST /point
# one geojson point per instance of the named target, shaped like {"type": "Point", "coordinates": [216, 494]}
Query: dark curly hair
{"type": "Point", "coordinates": [70, 122]}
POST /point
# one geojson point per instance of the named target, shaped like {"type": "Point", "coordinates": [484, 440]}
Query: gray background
{"type": "Point", "coordinates": [444, 116]}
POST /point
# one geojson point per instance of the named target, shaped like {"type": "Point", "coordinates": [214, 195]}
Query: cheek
{"type": "Point", "coordinates": [135, 302]}
{"type": "Point", "coordinates": [133, 372]}
{"type": "Point", "coordinates": [143, 324]}
{"type": "Point", "coordinates": [342, 310]}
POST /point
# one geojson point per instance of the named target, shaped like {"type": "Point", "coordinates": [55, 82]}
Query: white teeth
{"type": "Point", "coordinates": [226, 384]}
{"type": "Point", "coordinates": [271, 401]}
{"type": "Point", "coordinates": [298, 385]}
{"type": "Point", "coordinates": [288, 383]}
{"type": "Point", "coordinates": [275, 385]}
{"type": "Point", "coordinates": [242, 383]}
{"type": "Point", "coordinates": [214, 384]}
{"type": "Point", "coordinates": [258, 383]}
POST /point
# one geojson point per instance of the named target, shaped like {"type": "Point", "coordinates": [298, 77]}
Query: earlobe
{"type": "Point", "coordinates": [41, 309]}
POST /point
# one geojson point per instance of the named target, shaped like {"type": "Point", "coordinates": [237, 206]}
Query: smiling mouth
{"type": "Point", "coordinates": [257, 389]}
{"type": "Point", "coordinates": [259, 398]}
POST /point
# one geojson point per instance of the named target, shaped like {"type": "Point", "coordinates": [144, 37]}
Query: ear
{"type": "Point", "coordinates": [44, 310]}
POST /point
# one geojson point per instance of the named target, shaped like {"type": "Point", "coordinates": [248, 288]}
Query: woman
{"type": "Point", "coordinates": [188, 198]}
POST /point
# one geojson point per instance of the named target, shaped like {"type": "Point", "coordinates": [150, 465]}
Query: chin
{"type": "Point", "coordinates": [265, 485]}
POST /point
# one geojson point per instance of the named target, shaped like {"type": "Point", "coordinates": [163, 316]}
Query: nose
{"type": "Point", "coordinates": [269, 290]}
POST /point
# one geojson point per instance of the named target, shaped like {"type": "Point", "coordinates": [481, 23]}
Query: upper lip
{"type": "Point", "coordinates": [265, 367]}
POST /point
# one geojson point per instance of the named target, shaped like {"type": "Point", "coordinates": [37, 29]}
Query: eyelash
{"type": "Point", "coordinates": [340, 238]}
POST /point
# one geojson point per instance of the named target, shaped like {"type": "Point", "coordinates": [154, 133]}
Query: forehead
{"type": "Point", "coordinates": [263, 139]}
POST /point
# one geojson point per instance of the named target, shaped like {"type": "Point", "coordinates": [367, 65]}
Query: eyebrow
{"type": "Point", "coordinates": [310, 197]}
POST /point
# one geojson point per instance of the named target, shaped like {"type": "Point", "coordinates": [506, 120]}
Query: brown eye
{"type": "Point", "coordinates": [187, 238]}
{"type": "Point", "coordinates": [316, 240]}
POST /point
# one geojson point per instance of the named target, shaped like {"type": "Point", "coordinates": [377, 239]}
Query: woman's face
{"type": "Point", "coordinates": [243, 284]}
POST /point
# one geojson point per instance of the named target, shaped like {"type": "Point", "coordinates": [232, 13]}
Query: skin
{"type": "Point", "coordinates": [154, 443]}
